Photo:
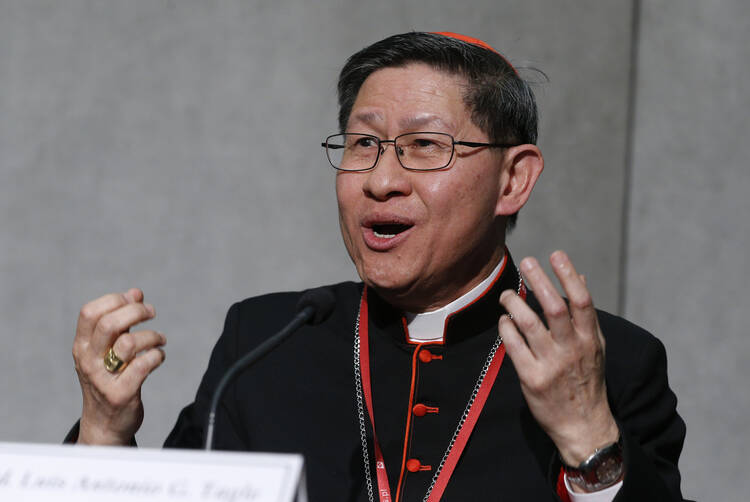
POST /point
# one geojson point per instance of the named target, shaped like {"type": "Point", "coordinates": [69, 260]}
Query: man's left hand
{"type": "Point", "coordinates": [561, 368]}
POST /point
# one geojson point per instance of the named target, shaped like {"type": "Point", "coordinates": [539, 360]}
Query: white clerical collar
{"type": "Point", "coordinates": [430, 326]}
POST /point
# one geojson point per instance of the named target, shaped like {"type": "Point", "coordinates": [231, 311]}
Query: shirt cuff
{"type": "Point", "coordinates": [606, 495]}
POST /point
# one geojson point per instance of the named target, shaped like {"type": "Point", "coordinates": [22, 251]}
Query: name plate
{"type": "Point", "coordinates": [73, 473]}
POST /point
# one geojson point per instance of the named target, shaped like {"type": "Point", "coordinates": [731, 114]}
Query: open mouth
{"type": "Point", "coordinates": [389, 230]}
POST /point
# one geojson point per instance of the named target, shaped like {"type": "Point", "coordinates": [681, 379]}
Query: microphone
{"type": "Point", "coordinates": [314, 307]}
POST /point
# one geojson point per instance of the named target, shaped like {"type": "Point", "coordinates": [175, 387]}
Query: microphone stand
{"type": "Point", "coordinates": [301, 318]}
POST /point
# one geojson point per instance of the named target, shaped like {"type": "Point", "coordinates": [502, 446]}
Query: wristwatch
{"type": "Point", "coordinates": [601, 470]}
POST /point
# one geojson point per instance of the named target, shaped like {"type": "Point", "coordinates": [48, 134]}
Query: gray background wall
{"type": "Point", "coordinates": [172, 146]}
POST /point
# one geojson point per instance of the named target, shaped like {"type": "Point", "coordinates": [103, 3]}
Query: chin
{"type": "Point", "coordinates": [387, 283]}
{"type": "Point", "coordinates": [400, 290]}
{"type": "Point", "coordinates": [384, 278]}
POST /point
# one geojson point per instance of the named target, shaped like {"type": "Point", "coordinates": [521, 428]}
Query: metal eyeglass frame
{"type": "Point", "coordinates": [381, 149]}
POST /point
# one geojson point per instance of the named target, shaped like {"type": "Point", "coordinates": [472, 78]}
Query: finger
{"type": "Point", "coordinates": [581, 305]}
{"type": "Point", "coordinates": [128, 345]}
{"type": "Point", "coordinates": [134, 374]}
{"type": "Point", "coordinates": [95, 309]}
{"type": "Point", "coordinates": [554, 307]}
{"type": "Point", "coordinates": [116, 322]}
{"type": "Point", "coordinates": [527, 322]}
{"type": "Point", "coordinates": [134, 295]}
{"type": "Point", "coordinates": [523, 359]}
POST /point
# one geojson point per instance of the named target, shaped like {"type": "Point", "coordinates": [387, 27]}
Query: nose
{"type": "Point", "coordinates": [387, 179]}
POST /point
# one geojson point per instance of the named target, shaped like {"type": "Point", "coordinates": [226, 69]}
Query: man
{"type": "Point", "coordinates": [404, 392]}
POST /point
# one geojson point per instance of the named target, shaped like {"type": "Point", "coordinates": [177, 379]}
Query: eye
{"type": "Point", "coordinates": [423, 143]}
{"type": "Point", "coordinates": [364, 142]}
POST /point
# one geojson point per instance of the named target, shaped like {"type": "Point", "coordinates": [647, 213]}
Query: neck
{"type": "Point", "coordinates": [441, 291]}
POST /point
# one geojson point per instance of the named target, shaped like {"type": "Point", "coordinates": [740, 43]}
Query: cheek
{"type": "Point", "coordinates": [346, 199]}
{"type": "Point", "coordinates": [445, 200]}
{"type": "Point", "coordinates": [461, 207]}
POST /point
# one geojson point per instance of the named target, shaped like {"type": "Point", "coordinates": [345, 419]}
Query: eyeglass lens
{"type": "Point", "coordinates": [419, 151]}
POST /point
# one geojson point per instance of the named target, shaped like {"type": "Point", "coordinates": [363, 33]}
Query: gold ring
{"type": "Point", "coordinates": [112, 362]}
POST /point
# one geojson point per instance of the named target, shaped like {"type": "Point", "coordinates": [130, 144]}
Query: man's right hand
{"type": "Point", "coordinates": [112, 406]}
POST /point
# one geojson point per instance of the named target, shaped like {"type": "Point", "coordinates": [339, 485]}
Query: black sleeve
{"type": "Point", "coordinates": [189, 430]}
{"type": "Point", "coordinates": [72, 436]}
{"type": "Point", "coordinates": [652, 431]}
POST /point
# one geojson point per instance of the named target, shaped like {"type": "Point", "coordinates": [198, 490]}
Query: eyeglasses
{"type": "Point", "coordinates": [415, 151]}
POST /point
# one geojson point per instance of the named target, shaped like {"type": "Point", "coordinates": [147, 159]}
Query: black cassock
{"type": "Point", "coordinates": [301, 398]}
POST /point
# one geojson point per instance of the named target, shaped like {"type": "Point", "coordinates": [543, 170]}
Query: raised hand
{"type": "Point", "coordinates": [112, 407]}
{"type": "Point", "coordinates": [561, 368]}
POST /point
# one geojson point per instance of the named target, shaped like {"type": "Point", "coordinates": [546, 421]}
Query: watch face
{"type": "Point", "coordinates": [603, 469]}
{"type": "Point", "coordinates": [609, 470]}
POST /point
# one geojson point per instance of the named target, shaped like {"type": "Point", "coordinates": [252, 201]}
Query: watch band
{"type": "Point", "coordinates": [601, 470]}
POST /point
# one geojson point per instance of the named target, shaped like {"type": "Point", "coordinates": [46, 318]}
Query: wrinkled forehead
{"type": "Point", "coordinates": [412, 96]}
{"type": "Point", "coordinates": [416, 120]}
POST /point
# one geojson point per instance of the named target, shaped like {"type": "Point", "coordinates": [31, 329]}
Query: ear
{"type": "Point", "coordinates": [522, 166]}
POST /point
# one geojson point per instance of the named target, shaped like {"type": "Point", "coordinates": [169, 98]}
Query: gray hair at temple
{"type": "Point", "coordinates": [502, 104]}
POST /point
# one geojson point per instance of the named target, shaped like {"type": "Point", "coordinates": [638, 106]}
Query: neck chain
{"type": "Point", "coordinates": [361, 412]}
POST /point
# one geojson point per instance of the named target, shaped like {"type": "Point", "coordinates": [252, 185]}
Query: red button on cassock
{"type": "Point", "coordinates": [413, 465]}
{"type": "Point", "coordinates": [419, 410]}
{"type": "Point", "coordinates": [425, 356]}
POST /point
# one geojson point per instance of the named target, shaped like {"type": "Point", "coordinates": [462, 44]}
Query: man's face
{"type": "Point", "coordinates": [421, 239]}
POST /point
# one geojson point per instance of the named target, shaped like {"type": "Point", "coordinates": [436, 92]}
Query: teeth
{"type": "Point", "coordinates": [383, 236]}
